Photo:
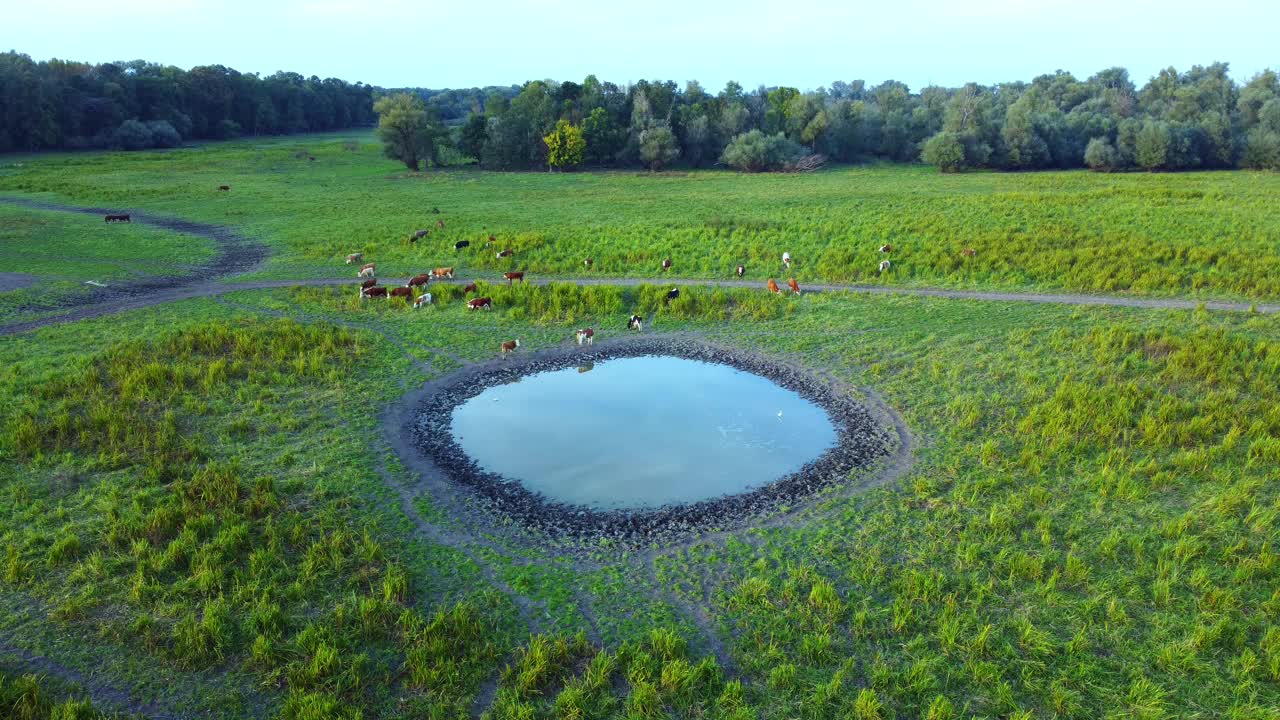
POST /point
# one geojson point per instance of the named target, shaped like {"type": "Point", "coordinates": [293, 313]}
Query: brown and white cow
{"type": "Point", "coordinates": [666, 264]}
{"type": "Point", "coordinates": [367, 271]}
{"type": "Point", "coordinates": [505, 253]}
{"type": "Point", "coordinates": [445, 272]}
{"type": "Point", "coordinates": [419, 279]}
{"type": "Point", "coordinates": [470, 288]}
{"type": "Point", "coordinates": [355, 258]}
{"type": "Point", "coordinates": [969, 252]}
{"type": "Point", "coordinates": [423, 299]}
{"type": "Point", "coordinates": [773, 286]}
{"type": "Point", "coordinates": [480, 302]}
{"type": "Point", "coordinates": [586, 335]}
{"type": "Point", "coordinates": [786, 259]}
{"type": "Point", "coordinates": [368, 283]}
{"type": "Point", "coordinates": [509, 346]}
{"type": "Point", "coordinates": [886, 248]}
{"type": "Point", "coordinates": [588, 263]}
{"type": "Point", "coordinates": [404, 292]}
{"type": "Point", "coordinates": [885, 265]}
{"type": "Point", "coordinates": [373, 292]}
{"type": "Point", "coordinates": [795, 287]}
{"type": "Point", "coordinates": [513, 276]}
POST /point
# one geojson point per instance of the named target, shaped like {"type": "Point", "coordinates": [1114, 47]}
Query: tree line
{"type": "Point", "coordinates": [59, 104]}
{"type": "Point", "coordinates": [1200, 118]}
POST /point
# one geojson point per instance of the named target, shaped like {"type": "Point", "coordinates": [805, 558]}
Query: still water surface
{"type": "Point", "coordinates": [641, 432]}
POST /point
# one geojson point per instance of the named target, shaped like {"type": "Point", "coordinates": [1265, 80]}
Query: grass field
{"type": "Point", "coordinates": [199, 510]}
{"type": "Point", "coordinates": [1199, 234]}
{"type": "Point", "coordinates": [64, 250]}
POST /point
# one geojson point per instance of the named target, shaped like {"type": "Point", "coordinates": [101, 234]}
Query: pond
{"type": "Point", "coordinates": [641, 432]}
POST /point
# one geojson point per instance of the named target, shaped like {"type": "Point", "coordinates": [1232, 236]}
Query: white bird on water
{"type": "Point", "coordinates": [779, 414]}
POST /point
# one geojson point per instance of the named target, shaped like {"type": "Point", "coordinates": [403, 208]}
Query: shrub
{"type": "Point", "coordinates": [945, 151]}
{"type": "Point", "coordinates": [133, 135]}
{"type": "Point", "coordinates": [1102, 156]}
{"type": "Point", "coordinates": [163, 135]}
{"type": "Point", "coordinates": [756, 152]}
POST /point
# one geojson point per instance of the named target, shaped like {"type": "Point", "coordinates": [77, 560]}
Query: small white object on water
{"type": "Point", "coordinates": [779, 414]}
{"type": "Point", "coordinates": [94, 283]}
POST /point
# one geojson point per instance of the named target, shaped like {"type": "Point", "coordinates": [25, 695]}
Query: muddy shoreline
{"type": "Point", "coordinates": [864, 437]}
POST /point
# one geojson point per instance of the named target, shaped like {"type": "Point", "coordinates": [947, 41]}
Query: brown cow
{"type": "Point", "coordinates": [372, 292]}
{"type": "Point", "coordinates": [440, 224]}
{"type": "Point", "coordinates": [480, 302]}
{"type": "Point", "coordinates": [773, 286]}
{"type": "Point", "coordinates": [969, 252]}
{"type": "Point", "coordinates": [795, 287]}
{"type": "Point", "coordinates": [446, 272]}
{"type": "Point", "coordinates": [509, 346]}
{"type": "Point", "coordinates": [404, 292]}
{"type": "Point", "coordinates": [513, 276]}
{"type": "Point", "coordinates": [224, 188]}
{"type": "Point", "coordinates": [506, 253]}
{"type": "Point", "coordinates": [470, 288]}
{"type": "Point", "coordinates": [492, 239]}
{"type": "Point", "coordinates": [420, 279]}
{"type": "Point", "coordinates": [368, 283]}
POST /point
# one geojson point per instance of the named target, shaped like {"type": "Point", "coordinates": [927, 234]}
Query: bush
{"type": "Point", "coordinates": [133, 135]}
{"type": "Point", "coordinates": [756, 152]}
{"type": "Point", "coordinates": [163, 135]}
{"type": "Point", "coordinates": [945, 151]}
{"type": "Point", "coordinates": [1102, 156]}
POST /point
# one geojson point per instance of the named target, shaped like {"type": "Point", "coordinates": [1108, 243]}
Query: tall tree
{"type": "Point", "coordinates": [408, 133]}
{"type": "Point", "coordinates": [565, 146]}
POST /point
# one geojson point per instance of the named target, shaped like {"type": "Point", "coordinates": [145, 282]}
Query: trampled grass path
{"type": "Point", "coordinates": [237, 254]}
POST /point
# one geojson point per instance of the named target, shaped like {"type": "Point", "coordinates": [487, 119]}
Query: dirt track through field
{"type": "Point", "coordinates": [238, 254]}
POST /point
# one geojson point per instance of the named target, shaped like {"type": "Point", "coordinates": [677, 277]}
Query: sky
{"type": "Point", "coordinates": [468, 43]}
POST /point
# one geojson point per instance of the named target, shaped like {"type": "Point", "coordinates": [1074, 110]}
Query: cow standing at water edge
{"type": "Point", "coordinates": [586, 335]}
{"type": "Point", "coordinates": [634, 323]}
{"type": "Point", "coordinates": [509, 346]}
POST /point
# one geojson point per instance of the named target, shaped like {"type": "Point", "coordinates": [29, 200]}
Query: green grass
{"type": "Point", "coordinates": [1208, 234]}
{"type": "Point", "coordinates": [1089, 528]}
{"type": "Point", "coordinates": [197, 504]}
{"type": "Point", "coordinates": [63, 250]}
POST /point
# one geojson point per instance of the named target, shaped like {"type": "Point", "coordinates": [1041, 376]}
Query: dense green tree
{"type": "Point", "coordinates": [658, 147]}
{"type": "Point", "coordinates": [407, 131]}
{"type": "Point", "coordinates": [565, 146]}
{"type": "Point", "coordinates": [946, 151]}
{"type": "Point", "coordinates": [473, 135]}
{"type": "Point", "coordinates": [1153, 145]}
{"type": "Point", "coordinates": [757, 152]}
{"type": "Point", "coordinates": [1101, 156]}
{"type": "Point", "coordinates": [603, 137]}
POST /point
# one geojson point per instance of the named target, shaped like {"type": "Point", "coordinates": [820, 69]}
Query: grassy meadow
{"type": "Point", "coordinates": [199, 512]}
{"type": "Point", "coordinates": [1207, 234]}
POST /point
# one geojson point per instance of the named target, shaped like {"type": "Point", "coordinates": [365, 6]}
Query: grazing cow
{"type": "Point", "coordinates": [440, 224]}
{"type": "Point", "coordinates": [886, 248]}
{"type": "Point", "coordinates": [366, 272]}
{"type": "Point", "coordinates": [443, 272]}
{"type": "Point", "coordinates": [969, 252]}
{"type": "Point", "coordinates": [672, 295]}
{"type": "Point", "coordinates": [513, 276]}
{"type": "Point", "coordinates": [355, 258]}
{"type": "Point", "coordinates": [492, 239]}
{"type": "Point", "coordinates": [368, 266]}
{"type": "Point", "coordinates": [742, 270]}
{"type": "Point", "coordinates": [505, 253]}
{"type": "Point", "coordinates": [666, 264]}
{"type": "Point", "coordinates": [419, 235]}
{"type": "Point", "coordinates": [404, 292]}
{"type": "Point", "coordinates": [419, 279]}
{"type": "Point", "coordinates": [634, 323]}
{"type": "Point", "coordinates": [470, 288]}
{"type": "Point", "coordinates": [588, 263]}
{"type": "Point", "coordinates": [480, 302]}
{"type": "Point", "coordinates": [461, 244]}
{"type": "Point", "coordinates": [773, 286]}
{"type": "Point", "coordinates": [224, 188]}
{"type": "Point", "coordinates": [786, 259]}
{"type": "Point", "coordinates": [586, 335]}
{"type": "Point", "coordinates": [509, 346]}
{"type": "Point", "coordinates": [885, 265]}
{"type": "Point", "coordinates": [423, 299]}
{"type": "Point", "coordinates": [372, 292]}
{"type": "Point", "coordinates": [795, 287]}
{"type": "Point", "coordinates": [368, 283]}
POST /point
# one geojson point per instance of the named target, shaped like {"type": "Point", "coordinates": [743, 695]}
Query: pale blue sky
{"type": "Point", "coordinates": [806, 44]}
